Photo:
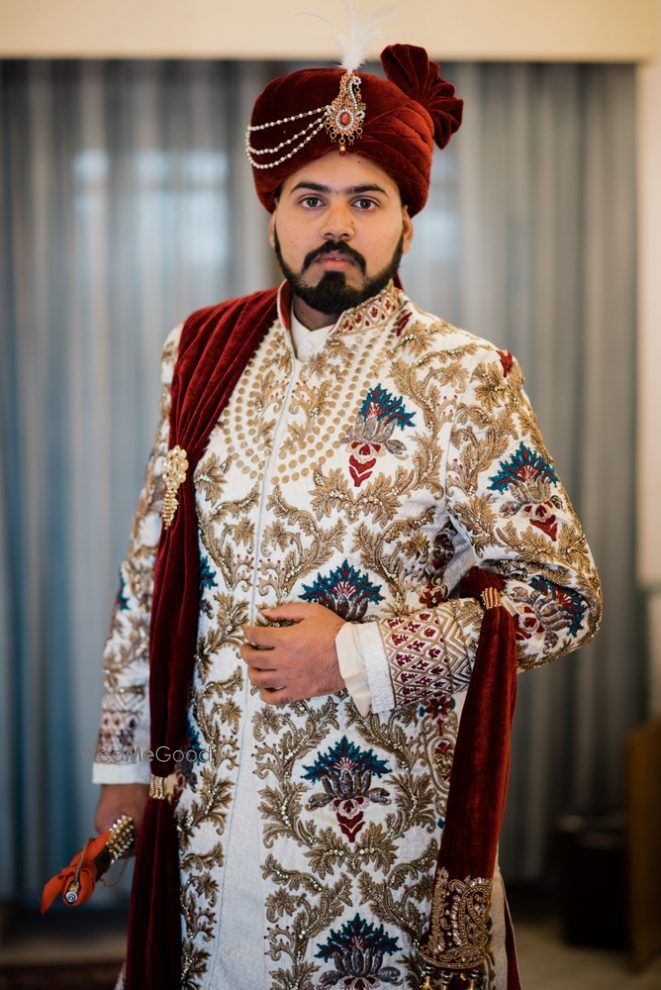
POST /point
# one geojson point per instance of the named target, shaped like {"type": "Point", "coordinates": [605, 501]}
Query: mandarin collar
{"type": "Point", "coordinates": [373, 312]}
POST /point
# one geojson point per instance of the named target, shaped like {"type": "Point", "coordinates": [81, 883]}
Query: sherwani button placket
{"type": "Point", "coordinates": [227, 936]}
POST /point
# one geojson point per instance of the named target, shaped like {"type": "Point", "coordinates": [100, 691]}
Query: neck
{"type": "Point", "coordinates": [311, 318]}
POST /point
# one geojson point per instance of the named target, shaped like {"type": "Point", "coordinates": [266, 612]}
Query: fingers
{"type": "Point", "coordinates": [283, 696]}
{"type": "Point", "coordinates": [254, 635]}
{"type": "Point", "coordinates": [290, 611]}
{"type": "Point", "coordinates": [265, 680]}
{"type": "Point", "coordinates": [267, 637]}
{"type": "Point", "coordinates": [263, 645]}
{"type": "Point", "coordinates": [262, 659]}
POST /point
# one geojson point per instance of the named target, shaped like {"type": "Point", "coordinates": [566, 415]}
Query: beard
{"type": "Point", "coordinates": [332, 294]}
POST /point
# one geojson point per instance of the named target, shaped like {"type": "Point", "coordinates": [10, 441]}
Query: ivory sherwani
{"type": "Point", "coordinates": [368, 476]}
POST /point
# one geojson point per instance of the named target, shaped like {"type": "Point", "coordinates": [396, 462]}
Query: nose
{"type": "Point", "coordinates": [338, 222]}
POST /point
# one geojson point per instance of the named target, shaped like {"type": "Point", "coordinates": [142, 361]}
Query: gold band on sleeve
{"type": "Point", "coordinates": [491, 598]}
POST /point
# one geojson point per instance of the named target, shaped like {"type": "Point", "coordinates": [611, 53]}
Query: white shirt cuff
{"type": "Point", "coordinates": [352, 666]}
{"type": "Point", "coordinates": [121, 773]}
{"type": "Point", "coordinates": [376, 666]}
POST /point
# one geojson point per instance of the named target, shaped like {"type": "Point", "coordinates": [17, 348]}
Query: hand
{"type": "Point", "coordinates": [120, 799]}
{"type": "Point", "coordinates": [300, 660]}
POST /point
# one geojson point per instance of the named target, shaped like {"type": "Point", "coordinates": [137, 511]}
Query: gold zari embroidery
{"type": "Point", "coordinates": [491, 598]}
{"type": "Point", "coordinates": [163, 788]}
{"type": "Point", "coordinates": [459, 935]}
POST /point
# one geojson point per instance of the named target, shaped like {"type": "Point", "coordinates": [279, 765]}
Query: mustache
{"type": "Point", "coordinates": [335, 247]}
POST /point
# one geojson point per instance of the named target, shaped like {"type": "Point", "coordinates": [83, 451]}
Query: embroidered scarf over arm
{"type": "Point", "coordinates": [216, 345]}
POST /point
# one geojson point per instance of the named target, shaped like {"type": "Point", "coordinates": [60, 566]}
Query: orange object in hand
{"type": "Point", "coordinates": [76, 882]}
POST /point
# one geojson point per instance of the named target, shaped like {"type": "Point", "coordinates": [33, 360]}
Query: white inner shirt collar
{"type": "Point", "coordinates": [306, 342]}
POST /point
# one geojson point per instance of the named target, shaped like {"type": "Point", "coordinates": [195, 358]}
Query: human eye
{"type": "Point", "coordinates": [365, 203]}
{"type": "Point", "coordinates": [310, 202]}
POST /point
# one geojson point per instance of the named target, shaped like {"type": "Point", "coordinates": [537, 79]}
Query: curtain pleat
{"type": "Point", "coordinates": [125, 203]}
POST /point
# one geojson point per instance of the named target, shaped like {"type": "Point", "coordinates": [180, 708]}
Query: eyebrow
{"type": "Point", "coordinates": [350, 190]}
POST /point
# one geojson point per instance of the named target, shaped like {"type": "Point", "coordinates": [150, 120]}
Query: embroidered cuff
{"type": "Point", "coordinates": [352, 666]}
{"type": "Point", "coordinates": [431, 652]}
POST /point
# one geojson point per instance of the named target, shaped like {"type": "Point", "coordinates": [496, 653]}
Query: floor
{"type": "Point", "coordinates": [546, 961]}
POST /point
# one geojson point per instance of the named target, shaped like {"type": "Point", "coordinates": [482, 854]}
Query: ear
{"type": "Point", "coordinates": [407, 229]}
{"type": "Point", "coordinates": [272, 229]}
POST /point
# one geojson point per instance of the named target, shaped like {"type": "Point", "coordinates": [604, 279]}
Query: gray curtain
{"type": "Point", "coordinates": [529, 239]}
{"type": "Point", "coordinates": [125, 202]}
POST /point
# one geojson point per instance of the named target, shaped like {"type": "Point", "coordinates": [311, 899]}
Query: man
{"type": "Point", "coordinates": [331, 463]}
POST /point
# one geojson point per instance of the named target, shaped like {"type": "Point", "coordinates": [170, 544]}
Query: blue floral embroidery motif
{"type": "Point", "coordinates": [525, 465]}
{"type": "Point", "coordinates": [345, 772]}
{"type": "Point", "coordinates": [379, 404]}
{"type": "Point", "coordinates": [357, 951]}
{"type": "Point", "coordinates": [372, 431]}
{"type": "Point", "coordinates": [207, 579]}
{"type": "Point", "coordinates": [565, 602]}
{"type": "Point", "coordinates": [345, 590]}
{"type": "Point", "coordinates": [528, 477]}
{"type": "Point", "coordinates": [122, 601]}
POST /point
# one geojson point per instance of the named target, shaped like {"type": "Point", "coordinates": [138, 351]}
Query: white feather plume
{"type": "Point", "coordinates": [363, 33]}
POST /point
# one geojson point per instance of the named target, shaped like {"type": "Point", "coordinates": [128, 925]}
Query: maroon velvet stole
{"type": "Point", "coordinates": [216, 344]}
{"type": "Point", "coordinates": [458, 936]}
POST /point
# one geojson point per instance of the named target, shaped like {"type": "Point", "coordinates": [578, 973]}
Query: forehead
{"type": "Point", "coordinates": [342, 172]}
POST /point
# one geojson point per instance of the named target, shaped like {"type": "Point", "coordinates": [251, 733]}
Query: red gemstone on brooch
{"type": "Point", "coordinates": [345, 118]}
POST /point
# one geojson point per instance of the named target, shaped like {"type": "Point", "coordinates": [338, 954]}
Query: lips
{"type": "Point", "coordinates": [335, 257]}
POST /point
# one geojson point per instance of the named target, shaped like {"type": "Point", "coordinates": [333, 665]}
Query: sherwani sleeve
{"type": "Point", "coordinates": [508, 513]}
{"type": "Point", "coordinates": [123, 738]}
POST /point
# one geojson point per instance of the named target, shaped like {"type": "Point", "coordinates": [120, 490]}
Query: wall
{"type": "Point", "coordinates": [649, 355]}
{"type": "Point", "coordinates": [576, 30]}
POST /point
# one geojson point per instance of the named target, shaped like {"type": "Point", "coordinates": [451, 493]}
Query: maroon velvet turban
{"type": "Point", "coordinates": [403, 117]}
